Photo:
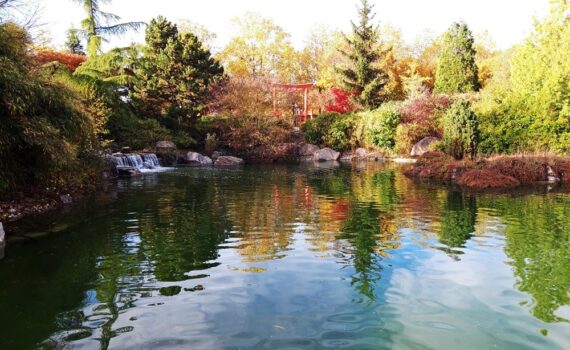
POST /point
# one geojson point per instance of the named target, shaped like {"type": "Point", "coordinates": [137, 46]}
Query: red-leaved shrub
{"type": "Point", "coordinates": [72, 61]}
{"type": "Point", "coordinates": [341, 102]}
{"type": "Point", "coordinates": [424, 108]}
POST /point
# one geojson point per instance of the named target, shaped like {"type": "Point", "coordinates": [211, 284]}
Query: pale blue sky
{"type": "Point", "coordinates": [508, 21]}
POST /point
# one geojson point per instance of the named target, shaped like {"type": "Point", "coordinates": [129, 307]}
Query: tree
{"type": "Point", "coordinates": [175, 75]}
{"type": "Point", "coordinates": [320, 56]}
{"type": "Point", "coordinates": [540, 72]}
{"type": "Point", "coordinates": [457, 70]}
{"type": "Point", "coordinates": [364, 78]}
{"type": "Point", "coordinates": [526, 103]}
{"type": "Point", "coordinates": [49, 124]}
{"type": "Point", "coordinates": [204, 34]}
{"type": "Point", "coordinates": [261, 48]}
{"type": "Point", "coordinates": [460, 130]}
{"type": "Point", "coordinates": [99, 24]}
{"type": "Point", "coordinates": [73, 43]}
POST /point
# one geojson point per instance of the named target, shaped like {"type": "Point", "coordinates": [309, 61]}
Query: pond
{"type": "Point", "coordinates": [291, 257]}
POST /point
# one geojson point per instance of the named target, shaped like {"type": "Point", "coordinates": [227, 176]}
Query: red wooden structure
{"type": "Point", "coordinates": [304, 116]}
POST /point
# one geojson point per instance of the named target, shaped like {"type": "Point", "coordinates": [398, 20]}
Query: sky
{"type": "Point", "coordinates": [507, 21]}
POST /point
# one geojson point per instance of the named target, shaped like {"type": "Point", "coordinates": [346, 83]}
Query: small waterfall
{"type": "Point", "coordinates": [151, 160]}
{"type": "Point", "coordinates": [146, 161]}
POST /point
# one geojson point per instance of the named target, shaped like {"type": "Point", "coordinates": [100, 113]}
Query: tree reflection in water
{"type": "Point", "coordinates": [161, 235]}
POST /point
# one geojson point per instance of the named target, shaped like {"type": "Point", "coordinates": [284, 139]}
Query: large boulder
{"type": "Point", "coordinates": [325, 155]}
{"type": "Point", "coordinates": [197, 158]}
{"type": "Point", "coordinates": [229, 161]}
{"type": "Point", "coordinates": [360, 153]}
{"type": "Point", "coordinates": [423, 146]}
{"type": "Point", "coordinates": [308, 150]}
{"type": "Point", "coordinates": [217, 154]}
{"type": "Point", "coordinates": [165, 146]}
{"type": "Point", "coordinates": [2, 235]}
{"type": "Point", "coordinates": [127, 171]}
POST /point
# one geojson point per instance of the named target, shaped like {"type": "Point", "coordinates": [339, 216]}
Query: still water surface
{"type": "Point", "coordinates": [292, 257]}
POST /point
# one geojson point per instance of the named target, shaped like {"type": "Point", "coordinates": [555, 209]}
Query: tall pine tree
{"type": "Point", "coordinates": [364, 78]}
{"type": "Point", "coordinates": [174, 76]}
{"type": "Point", "coordinates": [456, 70]}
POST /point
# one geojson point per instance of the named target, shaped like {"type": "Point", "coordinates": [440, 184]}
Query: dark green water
{"type": "Point", "coordinates": [297, 257]}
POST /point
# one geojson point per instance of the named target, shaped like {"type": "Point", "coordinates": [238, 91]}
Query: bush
{"type": "Point", "coordinates": [333, 130]}
{"type": "Point", "coordinates": [49, 128]}
{"type": "Point", "coordinates": [461, 130]}
{"type": "Point", "coordinates": [126, 129]}
{"type": "Point", "coordinates": [380, 126]}
{"type": "Point", "coordinates": [71, 61]}
{"type": "Point", "coordinates": [244, 137]}
{"type": "Point", "coordinates": [317, 129]}
{"type": "Point", "coordinates": [341, 101]}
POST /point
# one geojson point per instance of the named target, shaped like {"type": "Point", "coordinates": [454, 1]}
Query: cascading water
{"type": "Point", "coordinates": [147, 161]}
{"type": "Point", "coordinates": [151, 160]}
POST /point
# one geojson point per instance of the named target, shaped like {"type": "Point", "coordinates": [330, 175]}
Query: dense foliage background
{"type": "Point", "coordinates": [61, 109]}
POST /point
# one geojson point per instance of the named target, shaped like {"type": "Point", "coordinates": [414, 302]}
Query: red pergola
{"type": "Point", "coordinates": [304, 87]}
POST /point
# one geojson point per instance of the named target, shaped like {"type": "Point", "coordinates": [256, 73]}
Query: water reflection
{"type": "Point", "coordinates": [293, 256]}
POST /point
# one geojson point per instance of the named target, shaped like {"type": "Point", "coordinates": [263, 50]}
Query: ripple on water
{"type": "Point", "coordinates": [295, 257]}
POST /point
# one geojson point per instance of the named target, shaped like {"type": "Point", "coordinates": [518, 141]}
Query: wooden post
{"type": "Point", "coordinates": [306, 104]}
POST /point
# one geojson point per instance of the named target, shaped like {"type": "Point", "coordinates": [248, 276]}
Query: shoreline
{"type": "Point", "coordinates": [495, 173]}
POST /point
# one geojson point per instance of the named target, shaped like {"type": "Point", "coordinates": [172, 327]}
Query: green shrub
{"type": "Point", "coordinates": [380, 126]}
{"type": "Point", "coordinates": [364, 129]}
{"type": "Point", "coordinates": [317, 129]}
{"type": "Point", "coordinates": [460, 130]}
{"type": "Point", "coordinates": [49, 128]}
{"type": "Point", "coordinates": [125, 129]}
{"type": "Point", "coordinates": [340, 135]}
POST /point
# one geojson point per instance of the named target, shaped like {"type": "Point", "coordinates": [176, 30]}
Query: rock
{"type": "Point", "coordinates": [2, 240]}
{"type": "Point", "coordinates": [325, 155]}
{"type": "Point", "coordinates": [165, 146]}
{"type": "Point", "coordinates": [125, 150]}
{"type": "Point", "coordinates": [553, 178]}
{"type": "Point", "coordinates": [308, 150]}
{"type": "Point", "coordinates": [197, 158]}
{"type": "Point", "coordinates": [66, 199]}
{"type": "Point", "coordinates": [361, 152]}
{"type": "Point", "coordinates": [217, 154]}
{"type": "Point", "coordinates": [229, 161]}
{"type": "Point", "coordinates": [422, 146]}
{"type": "Point", "coordinates": [2, 235]}
{"type": "Point", "coordinates": [127, 171]}
{"type": "Point", "coordinates": [346, 156]}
